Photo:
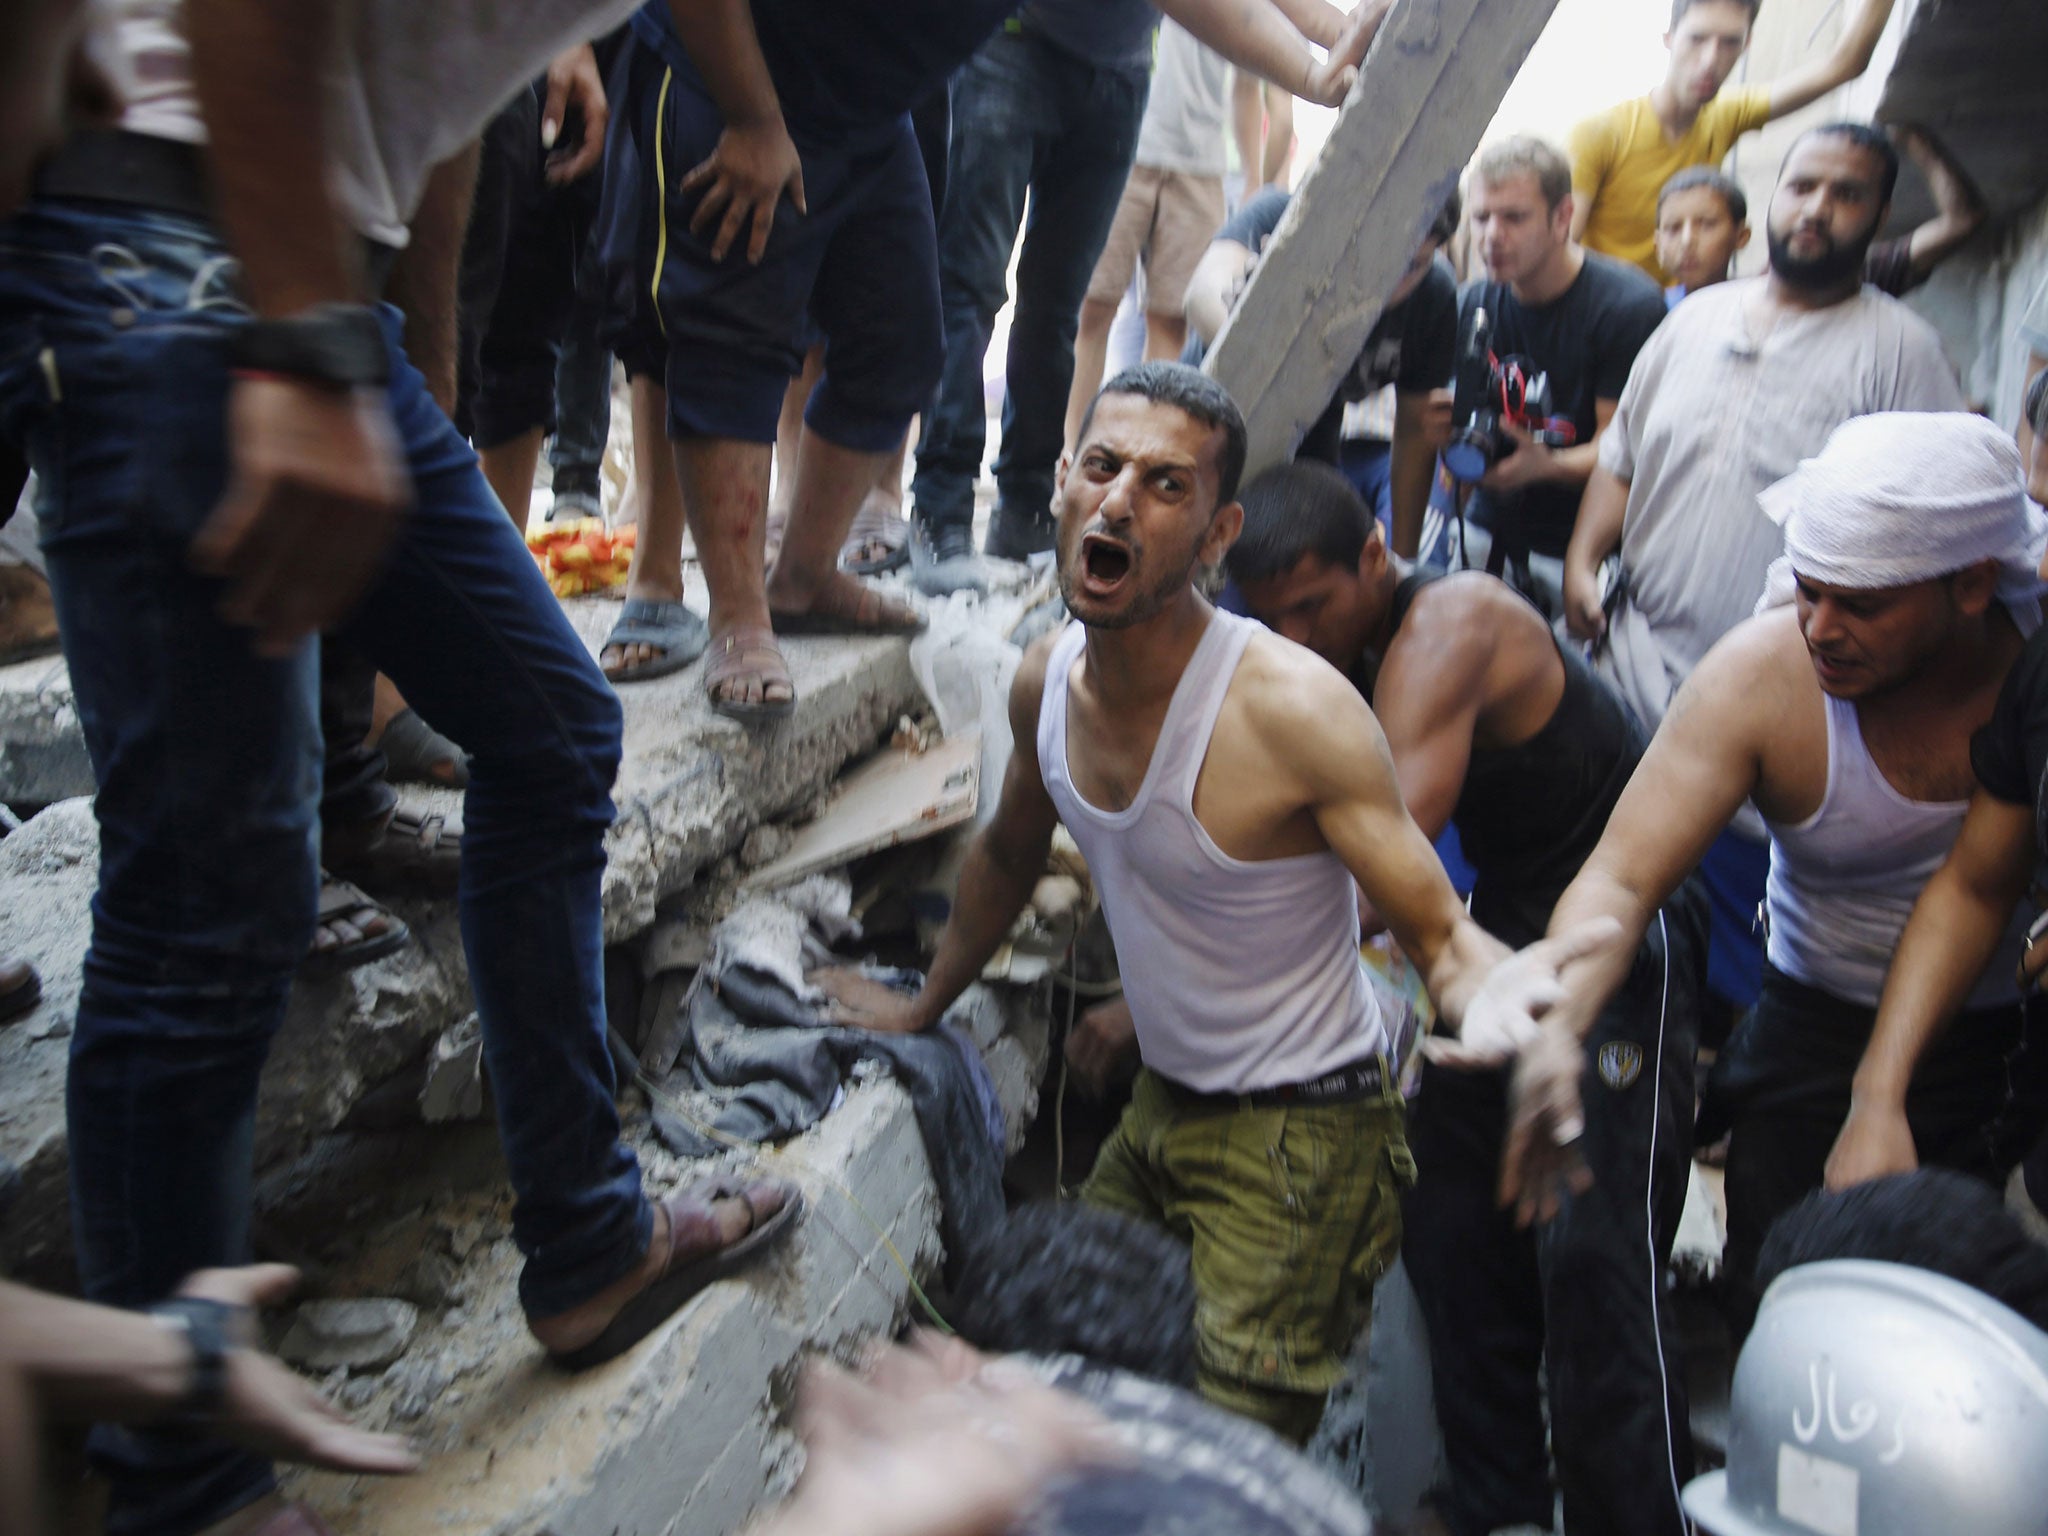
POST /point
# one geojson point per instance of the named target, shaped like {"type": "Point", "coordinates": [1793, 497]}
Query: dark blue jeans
{"type": "Point", "coordinates": [113, 372]}
{"type": "Point", "coordinates": [1027, 117]}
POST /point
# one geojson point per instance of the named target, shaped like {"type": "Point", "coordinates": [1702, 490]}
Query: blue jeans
{"type": "Point", "coordinates": [1027, 117]}
{"type": "Point", "coordinates": [114, 327]}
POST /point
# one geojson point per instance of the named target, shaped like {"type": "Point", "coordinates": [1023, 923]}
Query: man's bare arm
{"type": "Point", "coordinates": [1422, 419]}
{"type": "Point", "coordinates": [1958, 211]}
{"type": "Point", "coordinates": [1255, 35]}
{"type": "Point", "coordinates": [426, 277]}
{"type": "Point", "coordinates": [316, 486]}
{"type": "Point", "coordinates": [754, 163]}
{"type": "Point", "coordinates": [1213, 290]}
{"type": "Point", "coordinates": [1953, 933]}
{"type": "Point", "coordinates": [1003, 864]}
{"type": "Point", "coordinates": [1531, 464]}
{"type": "Point", "coordinates": [1427, 703]}
{"type": "Point", "coordinates": [1838, 66]}
{"type": "Point", "coordinates": [1595, 536]}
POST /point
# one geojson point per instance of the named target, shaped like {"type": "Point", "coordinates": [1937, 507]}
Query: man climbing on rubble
{"type": "Point", "coordinates": [236, 455]}
{"type": "Point", "coordinates": [1226, 787]}
{"type": "Point", "coordinates": [1844, 712]}
{"type": "Point", "coordinates": [1489, 719]}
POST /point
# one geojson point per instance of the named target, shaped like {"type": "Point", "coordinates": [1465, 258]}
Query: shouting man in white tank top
{"type": "Point", "coordinates": [1844, 710]}
{"type": "Point", "coordinates": [1226, 787]}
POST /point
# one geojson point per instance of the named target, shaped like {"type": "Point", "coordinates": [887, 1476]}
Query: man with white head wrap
{"type": "Point", "coordinates": [1844, 711]}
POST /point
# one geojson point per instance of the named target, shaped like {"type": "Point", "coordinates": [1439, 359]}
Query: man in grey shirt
{"type": "Point", "coordinates": [1740, 383]}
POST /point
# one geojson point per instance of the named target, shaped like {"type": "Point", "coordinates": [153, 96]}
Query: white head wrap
{"type": "Point", "coordinates": [1898, 498]}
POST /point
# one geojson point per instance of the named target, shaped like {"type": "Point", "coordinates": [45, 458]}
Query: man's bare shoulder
{"type": "Point", "coordinates": [1455, 625]}
{"type": "Point", "coordinates": [1753, 674]}
{"type": "Point", "coordinates": [1027, 688]}
{"type": "Point", "coordinates": [1288, 690]}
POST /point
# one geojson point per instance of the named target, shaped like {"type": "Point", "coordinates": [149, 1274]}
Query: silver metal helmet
{"type": "Point", "coordinates": [1882, 1400]}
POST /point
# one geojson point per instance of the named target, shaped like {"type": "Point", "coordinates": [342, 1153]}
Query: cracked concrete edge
{"type": "Point", "coordinates": [691, 789]}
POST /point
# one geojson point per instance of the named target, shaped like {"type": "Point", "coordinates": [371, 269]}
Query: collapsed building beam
{"type": "Point", "coordinates": [1433, 81]}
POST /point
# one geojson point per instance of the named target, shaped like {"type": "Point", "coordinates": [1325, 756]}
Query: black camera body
{"type": "Point", "coordinates": [1508, 392]}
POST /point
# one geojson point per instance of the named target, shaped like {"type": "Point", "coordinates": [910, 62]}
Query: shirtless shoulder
{"type": "Point", "coordinates": [1302, 714]}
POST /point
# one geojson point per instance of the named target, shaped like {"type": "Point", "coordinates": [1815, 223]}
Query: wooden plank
{"type": "Point", "coordinates": [1430, 86]}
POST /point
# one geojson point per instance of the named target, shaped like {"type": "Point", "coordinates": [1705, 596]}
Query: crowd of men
{"type": "Point", "coordinates": [1693, 619]}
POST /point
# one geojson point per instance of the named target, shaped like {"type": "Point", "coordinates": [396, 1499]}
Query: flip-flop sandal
{"type": "Point", "coordinates": [416, 753]}
{"type": "Point", "coordinates": [343, 902]}
{"type": "Point", "coordinates": [680, 633]}
{"type": "Point", "coordinates": [655, 1305]}
{"type": "Point", "coordinates": [409, 851]}
{"type": "Point", "coordinates": [866, 615]}
{"type": "Point", "coordinates": [875, 526]}
{"type": "Point", "coordinates": [743, 653]}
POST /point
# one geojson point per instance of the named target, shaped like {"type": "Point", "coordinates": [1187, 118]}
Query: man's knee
{"type": "Point", "coordinates": [1291, 1415]}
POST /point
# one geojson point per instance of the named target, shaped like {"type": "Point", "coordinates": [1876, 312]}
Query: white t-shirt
{"type": "Point", "coordinates": [1711, 417]}
{"type": "Point", "coordinates": [1184, 115]}
{"type": "Point", "coordinates": [414, 81]}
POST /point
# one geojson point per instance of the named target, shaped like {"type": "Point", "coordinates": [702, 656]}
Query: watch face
{"type": "Point", "coordinates": [1194, 1469]}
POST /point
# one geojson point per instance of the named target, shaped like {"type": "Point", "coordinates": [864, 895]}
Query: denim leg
{"type": "Point", "coordinates": [464, 625]}
{"type": "Point", "coordinates": [1004, 111]}
{"type": "Point", "coordinates": [353, 789]}
{"type": "Point", "coordinates": [583, 382]}
{"type": "Point", "coordinates": [1074, 195]}
{"type": "Point", "coordinates": [113, 372]}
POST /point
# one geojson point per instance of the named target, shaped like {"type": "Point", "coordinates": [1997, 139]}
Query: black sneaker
{"type": "Point", "coordinates": [1018, 536]}
{"type": "Point", "coordinates": [942, 559]}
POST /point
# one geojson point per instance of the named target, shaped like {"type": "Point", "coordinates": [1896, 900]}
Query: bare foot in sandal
{"type": "Point", "coordinates": [842, 605]}
{"type": "Point", "coordinates": [746, 677]}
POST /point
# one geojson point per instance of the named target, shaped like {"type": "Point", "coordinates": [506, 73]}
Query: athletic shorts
{"type": "Point", "coordinates": [1168, 218]}
{"type": "Point", "coordinates": [1292, 1213]}
{"type": "Point", "coordinates": [859, 271]}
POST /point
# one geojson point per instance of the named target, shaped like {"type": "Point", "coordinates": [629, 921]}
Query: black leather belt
{"type": "Point", "coordinates": [1362, 1079]}
{"type": "Point", "coordinates": [109, 165]}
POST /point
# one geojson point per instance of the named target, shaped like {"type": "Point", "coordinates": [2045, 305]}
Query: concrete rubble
{"type": "Point", "coordinates": [379, 1172]}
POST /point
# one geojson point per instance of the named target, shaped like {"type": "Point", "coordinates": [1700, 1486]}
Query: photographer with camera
{"type": "Point", "coordinates": [1546, 341]}
{"type": "Point", "coordinates": [1744, 381]}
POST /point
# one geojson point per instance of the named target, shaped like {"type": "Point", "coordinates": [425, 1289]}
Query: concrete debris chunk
{"type": "Point", "coordinates": [364, 1334]}
{"type": "Point", "coordinates": [454, 1087]}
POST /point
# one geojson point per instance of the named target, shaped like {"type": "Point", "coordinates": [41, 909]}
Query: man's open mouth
{"type": "Point", "coordinates": [1104, 562]}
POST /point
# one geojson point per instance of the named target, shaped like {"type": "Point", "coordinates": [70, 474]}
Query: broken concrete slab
{"type": "Point", "coordinates": [692, 786]}
{"type": "Point", "coordinates": [454, 1086]}
{"type": "Point", "coordinates": [1431, 84]}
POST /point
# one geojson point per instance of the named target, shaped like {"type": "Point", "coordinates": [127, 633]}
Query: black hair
{"type": "Point", "coordinates": [1934, 1219]}
{"type": "Point", "coordinates": [1192, 391]}
{"type": "Point", "coordinates": [1447, 218]}
{"type": "Point", "coordinates": [1867, 137]}
{"type": "Point", "coordinates": [1680, 7]}
{"type": "Point", "coordinates": [1721, 185]}
{"type": "Point", "coordinates": [1292, 510]}
{"type": "Point", "coordinates": [1072, 1278]}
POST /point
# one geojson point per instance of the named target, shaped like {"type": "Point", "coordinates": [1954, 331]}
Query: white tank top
{"type": "Point", "coordinates": [1240, 975]}
{"type": "Point", "coordinates": [1844, 880]}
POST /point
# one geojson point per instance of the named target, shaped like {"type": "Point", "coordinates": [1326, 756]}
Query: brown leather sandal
{"type": "Point", "coordinates": [748, 653]}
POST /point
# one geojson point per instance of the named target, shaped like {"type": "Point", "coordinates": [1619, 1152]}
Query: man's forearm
{"type": "Point", "coordinates": [1410, 475]}
{"type": "Point", "coordinates": [83, 1361]}
{"type": "Point", "coordinates": [426, 277]}
{"type": "Point", "coordinates": [1597, 533]}
{"type": "Point", "coordinates": [994, 887]}
{"type": "Point", "coordinates": [258, 67]}
{"type": "Point", "coordinates": [1591, 981]}
{"type": "Point", "coordinates": [1574, 465]}
{"type": "Point", "coordinates": [1454, 974]}
{"type": "Point", "coordinates": [719, 37]}
{"type": "Point", "coordinates": [1252, 34]}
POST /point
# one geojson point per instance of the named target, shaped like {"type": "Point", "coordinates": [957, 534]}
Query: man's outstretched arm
{"type": "Point", "coordinates": [1838, 66]}
{"type": "Point", "coordinates": [1951, 936]}
{"type": "Point", "coordinates": [1257, 35]}
{"type": "Point", "coordinates": [1003, 865]}
{"type": "Point", "coordinates": [1958, 211]}
{"type": "Point", "coordinates": [754, 163]}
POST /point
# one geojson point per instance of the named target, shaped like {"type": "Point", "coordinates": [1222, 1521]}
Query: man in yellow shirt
{"type": "Point", "coordinates": [1622, 157]}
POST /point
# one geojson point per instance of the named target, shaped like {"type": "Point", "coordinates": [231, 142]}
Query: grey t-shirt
{"type": "Point", "coordinates": [1184, 115]}
{"type": "Point", "coordinates": [1710, 417]}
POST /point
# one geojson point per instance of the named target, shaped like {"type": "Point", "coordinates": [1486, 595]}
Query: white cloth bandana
{"type": "Point", "coordinates": [1901, 497]}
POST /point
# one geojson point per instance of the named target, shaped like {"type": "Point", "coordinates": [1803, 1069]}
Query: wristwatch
{"type": "Point", "coordinates": [337, 344]}
{"type": "Point", "coordinates": [212, 1328]}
